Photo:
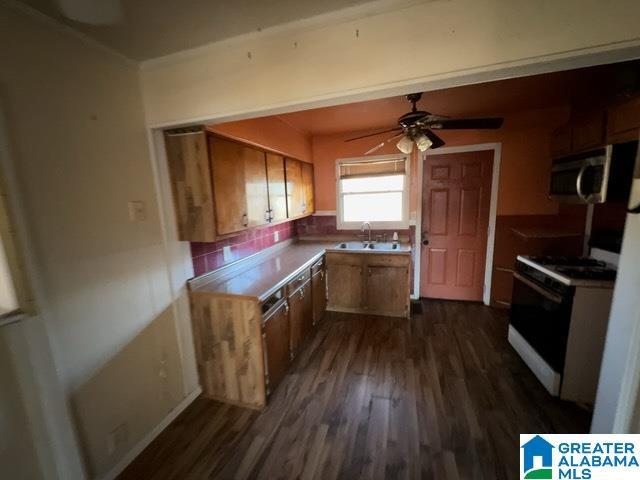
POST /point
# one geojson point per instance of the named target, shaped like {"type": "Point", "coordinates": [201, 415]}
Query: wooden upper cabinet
{"type": "Point", "coordinates": [295, 188]}
{"type": "Point", "coordinates": [277, 188]}
{"type": "Point", "coordinates": [229, 185]}
{"type": "Point", "coordinates": [561, 141]}
{"type": "Point", "coordinates": [623, 123]}
{"type": "Point", "coordinates": [188, 161]}
{"type": "Point", "coordinates": [221, 187]}
{"type": "Point", "coordinates": [308, 206]}
{"type": "Point", "coordinates": [589, 131]}
{"type": "Point", "coordinates": [255, 186]}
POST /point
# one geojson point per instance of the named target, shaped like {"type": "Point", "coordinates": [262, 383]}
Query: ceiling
{"type": "Point", "coordinates": [153, 28]}
{"type": "Point", "coordinates": [486, 99]}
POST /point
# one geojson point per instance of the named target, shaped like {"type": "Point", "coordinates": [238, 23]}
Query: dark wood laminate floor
{"type": "Point", "coordinates": [441, 396]}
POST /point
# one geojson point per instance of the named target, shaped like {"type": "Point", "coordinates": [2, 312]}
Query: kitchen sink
{"type": "Point", "coordinates": [387, 246]}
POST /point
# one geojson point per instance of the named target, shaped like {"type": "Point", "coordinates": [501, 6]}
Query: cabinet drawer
{"type": "Point", "coordinates": [333, 258]}
{"type": "Point", "coordinates": [378, 260]}
{"type": "Point", "coordinates": [300, 280]}
{"type": "Point", "coordinates": [317, 267]}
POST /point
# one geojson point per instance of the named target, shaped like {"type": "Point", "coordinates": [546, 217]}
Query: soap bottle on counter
{"type": "Point", "coordinates": [395, 238]}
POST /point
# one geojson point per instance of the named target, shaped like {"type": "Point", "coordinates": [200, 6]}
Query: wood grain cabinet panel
{"type": "Point", "coordinates": [561, 141]}
{"type": "Point", "coordinates": [277, 187]}
{"type": "Point", "coordinates": [229, 185]}
{"type": "Point", "coordinates": [276, 346]}
{"type": "Point", "coordinates": [295, 188]}
{"type": "Point", "coordinates": [387, 290]}
{"type": "Point", "coordinates": [589, 131]}
{"type": "Point", "coordinates": [188, 161]}
{"type": "Point", "coordinates": [319, 291]}
{"type": "Point", "coordinates": [345, 282]}
{"type": "Point", "coordinates": [300, 316]}
{"type": "Point", "coordinates": [308, 206]}
{"type": "Point", "coordinates": [623, 122]}
{"type": "Point", "coordinates": [255, 187]}
{"type": "Point", "coordinates": [228, 340]}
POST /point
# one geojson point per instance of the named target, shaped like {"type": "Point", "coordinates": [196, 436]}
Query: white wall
{"type": "Point", "coordinates": [425, 46]}
{"type": "Point", "coordinates": [80, 152]}
{"type": "Point", "coordinates": [617, 392]}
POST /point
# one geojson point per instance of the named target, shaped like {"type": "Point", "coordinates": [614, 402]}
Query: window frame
{"type": "Point", "coordinates": [403, 224]}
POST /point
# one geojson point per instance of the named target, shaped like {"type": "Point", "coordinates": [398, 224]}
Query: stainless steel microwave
{"type": "Point", "coordinates": [595, 176]}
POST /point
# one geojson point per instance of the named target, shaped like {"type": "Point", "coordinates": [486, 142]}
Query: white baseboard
{"type": "Point", "coordinates": [151, 436]}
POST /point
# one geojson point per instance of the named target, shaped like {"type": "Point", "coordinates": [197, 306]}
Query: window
{"type": "Point", "coordinates": [375, 190]}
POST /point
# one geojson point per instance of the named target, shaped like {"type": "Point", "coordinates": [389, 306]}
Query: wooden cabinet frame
{"type": "Point", "coordinates": [222, 186]}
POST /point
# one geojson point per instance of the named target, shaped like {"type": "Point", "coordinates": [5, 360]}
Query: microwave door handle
{"type": "Point", "coordinates": [579, 183]}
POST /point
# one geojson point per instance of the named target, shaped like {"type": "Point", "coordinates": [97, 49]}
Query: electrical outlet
{"type": "Point", "coordinates": [226, 253]}
{"type": "Point", "coordinates": [137, 211]}
{"type": "Point", "coordinates": [276, 236]}
{"type": "Point", "coordinates": [117, 438]}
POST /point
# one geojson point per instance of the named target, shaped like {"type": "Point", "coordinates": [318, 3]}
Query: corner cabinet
{"type": "Point", "coordinates": [221, 186]}
{"type": "Point", "coordinates": [372, 283]}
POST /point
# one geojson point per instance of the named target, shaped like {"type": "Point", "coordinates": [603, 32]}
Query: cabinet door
{"type": "Point", "coordinates": [623, 122]}
{"type": "Point", "coordinates": [387, 290]}
{"type": "Point", "coordinates": [255, 187]}
{"type": "Point", "coordinates": [308, 206]}
{"type": "Point", "coordinates": [345, 283]}
{"type": "Point", "coordinates": [589, 131]}
{"type": "Point", "coordinates": [228, 185]}
{"type": "Point", "coordinates": [276, 346]}
{"type": "Point", "coordinates": [277, 188]}
{"type": "Point", "coordinates": [319, 290]}
{"type": "Point", "coordinates": [295, 189]}
{"type": "Point", "coordinates": [561, 141]}
{"type": "Point", "coordinates": [300, 316]}
{"type": "Point", "coordinates": [191, 184]}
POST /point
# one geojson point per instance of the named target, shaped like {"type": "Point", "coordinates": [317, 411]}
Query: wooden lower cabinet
{"type": "Point", "coordinates": [300, 316]}
{"type": "Point", "coordinates": [275, 336]}
{"type": "Point", "coordinates": [377, 284]}
{"type": "Point", "coordinates": [319, 291]}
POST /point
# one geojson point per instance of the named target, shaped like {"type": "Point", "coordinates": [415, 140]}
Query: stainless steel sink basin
{"type": "Point", "coordinates": [388, 246]}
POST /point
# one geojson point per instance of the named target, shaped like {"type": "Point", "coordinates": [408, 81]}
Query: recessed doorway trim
{"type": "Point", "coordinates": [493, 210]}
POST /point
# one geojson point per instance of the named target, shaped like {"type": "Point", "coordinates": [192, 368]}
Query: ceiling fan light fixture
{"type": "Point", "coordinates": [423, 142]}
{"type": "Point", "coordinates": [405, 145]}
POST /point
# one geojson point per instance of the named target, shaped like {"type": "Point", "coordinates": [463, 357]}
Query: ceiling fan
{"type": "Point", "coordinates": [417, 127]}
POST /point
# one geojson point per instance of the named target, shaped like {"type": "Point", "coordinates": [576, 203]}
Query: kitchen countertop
{"type": "Point", "coordinates": [263, 279]}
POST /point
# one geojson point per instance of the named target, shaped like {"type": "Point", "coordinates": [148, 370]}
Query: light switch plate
{"type": "Point", "coordinates": [137, 211]}
{"type": "Point", "coordinates": [226, 253]}
{"type": "Point", "coordinates": [276, 236]}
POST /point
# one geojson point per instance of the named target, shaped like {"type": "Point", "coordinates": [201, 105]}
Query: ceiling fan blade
{"type": "Point", "coordinates": [380, 145]}
{"type": "Point", "coordinates": [395, 129]}
{"type": "Point", "coordinates": [465, 123]}
{"type": "Point", "coordinates": [437, 141]}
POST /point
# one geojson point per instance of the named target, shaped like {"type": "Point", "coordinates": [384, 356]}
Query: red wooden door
{"type": "Point", "coordinates": [455, 216]}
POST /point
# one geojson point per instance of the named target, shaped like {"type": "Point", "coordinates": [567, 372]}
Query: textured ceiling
{"type": "Point", "coordinates": [153, 28]}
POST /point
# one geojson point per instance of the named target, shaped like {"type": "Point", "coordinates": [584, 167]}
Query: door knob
{"type": "Point", "coordinates": [425, 239]}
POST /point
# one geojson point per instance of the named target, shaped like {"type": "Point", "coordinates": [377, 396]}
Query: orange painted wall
{"type": "Point", "coordinates": [524, 173]}
{"type": "Point", "coordinates": [271, 133]}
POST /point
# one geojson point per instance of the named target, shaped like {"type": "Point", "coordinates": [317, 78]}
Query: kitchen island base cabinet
{"type": "Point", "coordinates": [372, 283]}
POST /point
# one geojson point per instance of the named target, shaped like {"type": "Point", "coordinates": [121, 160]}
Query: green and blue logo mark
{"type": "Point", "coordinates": [538, 448]}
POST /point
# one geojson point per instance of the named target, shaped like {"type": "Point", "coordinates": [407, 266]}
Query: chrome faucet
{"type": "Point", "coordinates": [366, 225]}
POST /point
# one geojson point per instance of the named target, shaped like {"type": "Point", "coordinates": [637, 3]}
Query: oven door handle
{"type": "Point", "coordinates": [542, 291]}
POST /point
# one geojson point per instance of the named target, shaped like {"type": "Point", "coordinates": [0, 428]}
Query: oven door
{"type": "Point", "coordinates": [541, 317]}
